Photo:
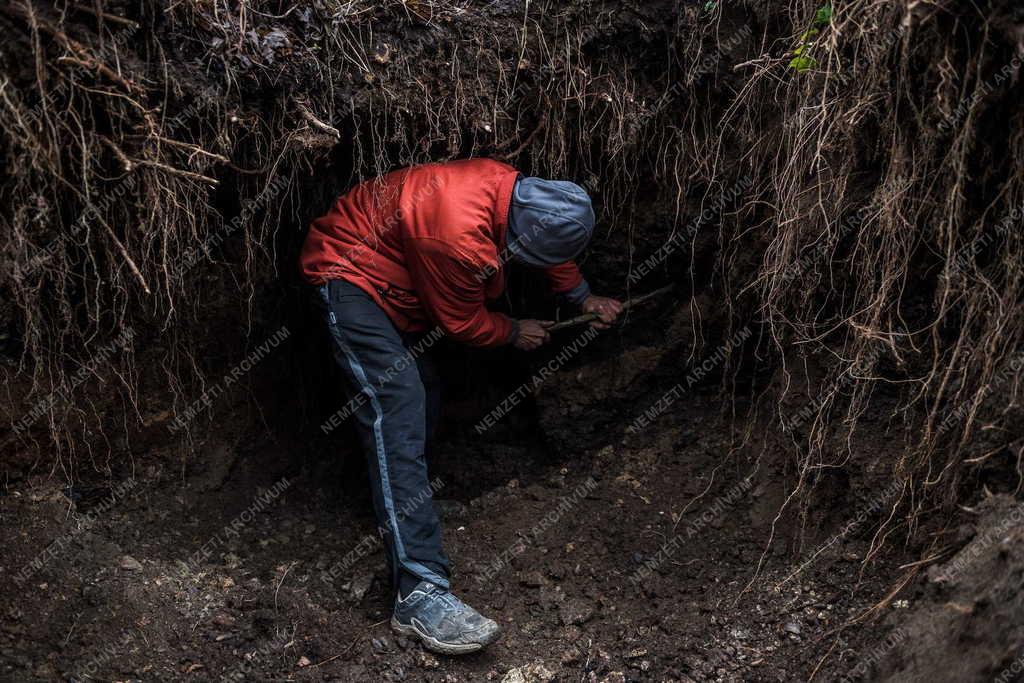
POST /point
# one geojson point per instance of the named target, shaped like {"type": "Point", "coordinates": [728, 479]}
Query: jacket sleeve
{"type": "Point", "coordinates": [567, 281]}
{"type": "Point", "coordinates": [451, 290]}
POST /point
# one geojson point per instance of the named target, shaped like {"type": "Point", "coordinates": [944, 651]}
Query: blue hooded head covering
{"type": "Point", "coordinates": [549, 221]}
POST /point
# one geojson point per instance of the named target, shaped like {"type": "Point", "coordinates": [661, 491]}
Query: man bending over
{"type": "Point", "coordinates": [416, 252]}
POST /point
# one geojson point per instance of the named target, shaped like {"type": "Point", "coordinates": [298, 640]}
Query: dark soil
{"type": "Point", "coordinates": [724, 542]}
{"type": "Point", "coordinates": [967, 608]}
{"type": "Point", "coordinates": [260, 561]}
{"type": "Point", "coordinates": [549, 552]}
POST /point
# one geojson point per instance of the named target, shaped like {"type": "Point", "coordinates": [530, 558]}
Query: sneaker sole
{"type": "Point", "coordinates": [435, 645]}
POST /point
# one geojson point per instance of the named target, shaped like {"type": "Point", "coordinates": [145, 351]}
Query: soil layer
{"type": "Point", "coordinates": [278, 575]}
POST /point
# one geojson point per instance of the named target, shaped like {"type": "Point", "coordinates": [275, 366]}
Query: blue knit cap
{"type": "Point", "coordinates": [549, 221]}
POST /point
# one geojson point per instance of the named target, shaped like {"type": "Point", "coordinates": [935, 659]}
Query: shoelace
{"type": "Point", "coordinates": [450, 602]}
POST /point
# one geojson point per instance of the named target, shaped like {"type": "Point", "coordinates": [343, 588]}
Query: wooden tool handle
{"type": "Point", "coordinates": [591, 317]}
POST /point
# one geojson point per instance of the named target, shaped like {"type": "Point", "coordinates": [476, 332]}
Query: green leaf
{"type": "Point", "coordinates": [802, 63]}
{"type": "Point", "coordinates": [824, 15]}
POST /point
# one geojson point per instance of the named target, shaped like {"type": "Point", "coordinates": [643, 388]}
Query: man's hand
{"type": "Point", "coordinates": [605, 307]}
{"type": "Point", "coordinates": [532, 335]}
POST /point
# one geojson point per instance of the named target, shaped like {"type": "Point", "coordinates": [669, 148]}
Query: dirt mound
{"type": "Point", "coordinates": [966, 622]}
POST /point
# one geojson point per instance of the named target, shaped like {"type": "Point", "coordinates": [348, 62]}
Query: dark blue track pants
{"type": "Point", "coordinates": [393, 391]}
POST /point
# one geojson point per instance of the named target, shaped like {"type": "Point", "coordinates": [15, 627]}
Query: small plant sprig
{"type": "Point", "coordinates": [802, 58]}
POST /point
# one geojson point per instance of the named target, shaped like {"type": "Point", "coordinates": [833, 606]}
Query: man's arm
{"type": "Point", "coordinates": [451, 289]}
{"type": "Point", "coordinates": [452, 292]}
{"type": "Point", "coordinates": [567, 282]}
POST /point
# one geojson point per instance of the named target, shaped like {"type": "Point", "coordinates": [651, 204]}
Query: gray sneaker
{"type": "Point", "coordinates": [444, 623]}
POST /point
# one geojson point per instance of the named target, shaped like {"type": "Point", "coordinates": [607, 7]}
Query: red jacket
{"type": "Point", "coordinates": [425, 243]}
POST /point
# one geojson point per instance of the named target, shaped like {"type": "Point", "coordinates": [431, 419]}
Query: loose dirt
{"type": "Point", "coordinates": [278, 576]}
